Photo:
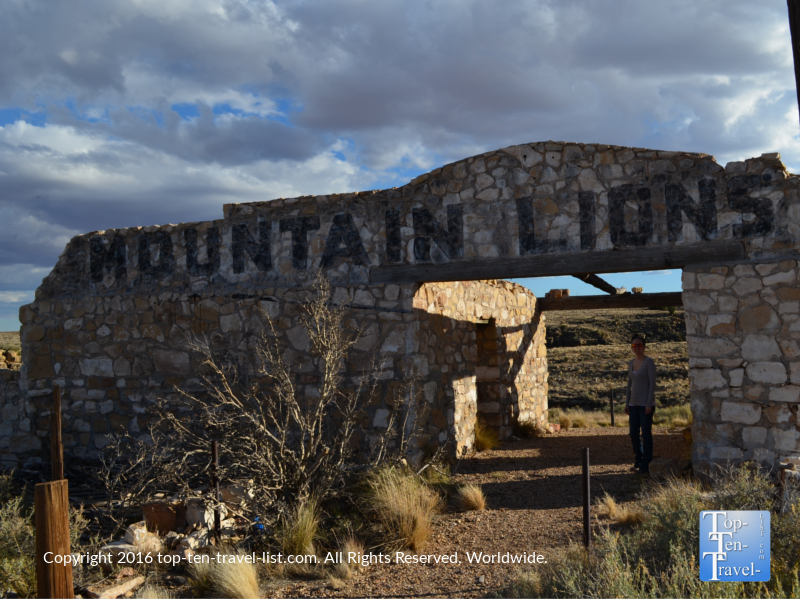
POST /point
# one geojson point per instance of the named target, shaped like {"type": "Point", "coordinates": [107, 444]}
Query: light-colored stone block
{"type": "Point", "coordinates": [758, 347]}
{"type": "Point", "coordinates": [767, 372]}
{"type": "Point", "coordinates": [785, 439]}
{"type": "Point", "coordinates": [740, 412]}
{"type": "Point", "coordinates": [786, 393]}
{"type": "Point", "coordinates": [706, 379]}
{"type": "Point", "coordinates": [754, 436]}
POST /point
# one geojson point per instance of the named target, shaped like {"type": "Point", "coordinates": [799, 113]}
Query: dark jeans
{"type": "Point", "coordinates": [642, 446]}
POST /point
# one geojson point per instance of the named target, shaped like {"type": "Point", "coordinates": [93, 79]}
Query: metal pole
{"type": "Point", "coordinates": [794, 28]}
{"type": "Point", "coordinates": [587, 518]}
{"type": "Point", "coordinates": [611, 401]}
{"type": "Point", "coordinates": [215, 480]}
{"type": "Point", "coordinates": [56, 447]}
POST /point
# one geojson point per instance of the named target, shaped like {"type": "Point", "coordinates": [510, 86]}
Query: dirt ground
{"type": "Point", "coordinates": [534, 496]}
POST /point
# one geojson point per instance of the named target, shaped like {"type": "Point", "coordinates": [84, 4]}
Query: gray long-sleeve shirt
{"type": "Point", "coordinates": [642, 384]}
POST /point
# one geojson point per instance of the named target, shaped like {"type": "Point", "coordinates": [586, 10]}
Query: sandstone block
{"type": "Point", "coordinates": [710, 347]}
{"type": "Point", "coordinates": [794, 370]}
{"type": "Point", "coordinates": [786, 393]}
{"type": "Point", "coordinates": [760, 347]}
{"type": "Point", "coordinates": [697, 302]}
{"type": "Point", "coordinates": [705, 379]}
{"type": "Point", "coordinates": [167, 361]}
{"type": "Point", "coordinates": [754, 436]}
{"type": "Point", "coordinates": [780, 277]}
{"type": "Point", "coordinates": [785, 439]}
{"type": "Point", "coordinates": [381, 419]}
{"type": "Point", "coordinates": [778, 414]}
{"type": "Point", "coordinates": [710, 281]}
{"type": "Point", "coordinates": [740, 412]}
{"type": "Point", "coordinates": [98, 367]}
{"type": "Point", "coordinates": [758, 318]}
{"type": "Point", "coordinates": [767, 372]}
{"type": "Point", "coordinates": [747, 285]}
{"type": "Point", "coordinates": [722, 453]}
{"type": "Point", "coordinates": [736, 376]}
{"type": "Point", "coordinates": [298, 338]}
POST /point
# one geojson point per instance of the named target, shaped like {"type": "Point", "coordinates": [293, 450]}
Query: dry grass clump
{"type": "Point", "coordinates": [299, 532]}
{"type": "Point", "coordinates": [470, 497]}
{"type": "Point", "coordinates": [154, 592]}
{"type": "Point", "coordinates": [486, 438]}
{"type": "Point", "coordinates": [352, 549]}
{"type": "Point", "coordinates": [404, 505]}
{"type": "Point", "coordinates": [228, 579]}
{"type": "Point", "coordinates": [623, 515]}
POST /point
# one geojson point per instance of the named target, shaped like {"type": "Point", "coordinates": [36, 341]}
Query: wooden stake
{"type": "Point", "coordinates": [56, 447]}
{"type": "Point", "coordinates": [51, 507]}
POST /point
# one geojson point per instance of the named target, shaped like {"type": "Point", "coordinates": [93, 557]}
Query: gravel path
{"type": "Point", "coordinates": [533, 490]}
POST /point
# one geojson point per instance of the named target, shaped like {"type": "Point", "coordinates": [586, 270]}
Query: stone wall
{"type": "Point", "coordinates": [110, 322]}
{"type": "Point", "coordinates": [514, 360]}
{"type": "Point", "coordinates": [743, 327]}
{"type": "Point", "coordinates": [17, 421]}
{"type": "Point", "coordinates": [114, 357]}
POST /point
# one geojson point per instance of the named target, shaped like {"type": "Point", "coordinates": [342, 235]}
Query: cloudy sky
{"type": "Point", "coordinates": [120, 113]}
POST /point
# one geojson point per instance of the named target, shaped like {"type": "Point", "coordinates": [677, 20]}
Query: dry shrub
{"type": "Point", "coordinates": [565, 421]}
{"type": "Point", "coordinates": [528, 429]}
{"type": "Point", "coordinates": [470, 497]}
{"type": "Point", "coordinates": [623, 515]}
{"type": "Point", "coordinates": [154, 592]}
{"type": "Point", "coordinates": [228, 579]}
{"type": "Point", "coordinates": [404, 505]}
{"type": "Point", "coordinates": [350, 566]}
{"type": "Point", "coordinates": [486, 438]}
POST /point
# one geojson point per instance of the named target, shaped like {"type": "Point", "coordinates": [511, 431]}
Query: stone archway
{"type": "Point", "coordinates": [108, 321]}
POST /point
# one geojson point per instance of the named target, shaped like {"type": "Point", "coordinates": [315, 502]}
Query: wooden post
{"type": "Point", "coordinates": [587, 499]}
{"type": "Point", "coordinates": [56, 447]}
{"type": "Point", "coordinates": [215, 480]}
{"type": "Point", "coordinates": [51, 507]}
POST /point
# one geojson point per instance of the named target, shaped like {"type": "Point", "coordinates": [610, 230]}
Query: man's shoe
{"type": "Point", "coordinates": [641, 471]}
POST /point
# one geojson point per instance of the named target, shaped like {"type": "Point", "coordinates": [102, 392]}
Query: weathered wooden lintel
{"type": "Point", "coordinates": [605, 261]}
{"type": "Point", "coordinates": [616, 301]}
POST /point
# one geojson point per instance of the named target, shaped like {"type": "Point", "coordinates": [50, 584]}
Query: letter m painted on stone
{"type": "Point", "coordinates": [450, 240]}
{"type": "Point", "coordinates": [108, 256]}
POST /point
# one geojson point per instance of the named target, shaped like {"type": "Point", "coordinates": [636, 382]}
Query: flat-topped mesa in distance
{"type": "Point", "coordinates": [547, 208]}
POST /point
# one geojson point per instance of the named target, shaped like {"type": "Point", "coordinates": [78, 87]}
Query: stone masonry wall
{"type": "Point", "coordinates": [743, 328]}
{"type": "Point", "coordinates": [110, 322]}
{"type": "Point", "coordinates": [15, 424]}
{"type": "Point", "coordinates": [115, 356]}
{"type": "Point", "coordinates": [448, 341]}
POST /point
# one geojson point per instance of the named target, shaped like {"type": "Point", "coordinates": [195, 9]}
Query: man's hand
{"type": "Point", "coordinates": [627, 410]}
{"type": "Point", "coordinates": [648, 410]}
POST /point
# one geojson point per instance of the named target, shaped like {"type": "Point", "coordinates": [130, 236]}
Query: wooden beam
{"type": "Point", "coordinates": [600, 283]}
{"type": "Point", "coordinates": [617, 301]}
{"type": "Point", "coordinates": [538, 265]}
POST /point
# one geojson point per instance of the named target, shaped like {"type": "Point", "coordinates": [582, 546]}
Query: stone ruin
{"type": "Point", "coordinates": [417, 268]}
